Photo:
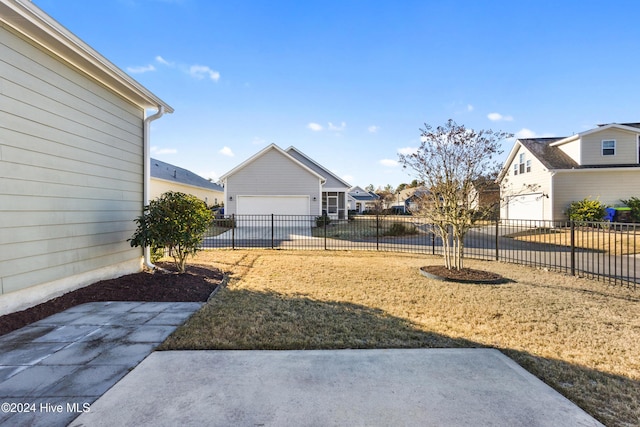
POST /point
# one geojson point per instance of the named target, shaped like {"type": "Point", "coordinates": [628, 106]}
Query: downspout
{"type": "Point", "coordinates": [147, 172]}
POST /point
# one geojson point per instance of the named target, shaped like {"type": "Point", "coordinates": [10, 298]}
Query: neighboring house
{"type": "Point", "coordinates": [166, 177]}
{"type": "Point", "coordinates": [73, 132]}
{"type": "Point", "coordinates": [284, 182]}
{"type": "Point", "coordinates": [542, 176]}
{"type": "Point", "coordinates": [360, 200]}
{"type": "Point", "coordinates": [414, 199]}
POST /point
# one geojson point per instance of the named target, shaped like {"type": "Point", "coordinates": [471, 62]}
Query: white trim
{"type": "Point", "coordinates": [602, 147]}
{"type": "Point", "coordinates": [32, 23]}
{"type": "Point", "coordinates": [319, 165]}
{"type": "Point", "coordinates": [587, 170]}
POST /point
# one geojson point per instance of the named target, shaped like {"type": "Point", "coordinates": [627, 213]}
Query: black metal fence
{"type": "Point", "coordinates": [602, 250]}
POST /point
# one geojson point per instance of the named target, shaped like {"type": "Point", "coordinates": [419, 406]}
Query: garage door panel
{"type": "Point", "coordinates": [526, 206]}
{"type": "Point", "coordinates": [277, 205]}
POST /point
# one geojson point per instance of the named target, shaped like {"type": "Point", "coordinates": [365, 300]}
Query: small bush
{"type": "Point", "coordinates": [321, 221]}
{"type": "Point", "coordinates": [634, 204]}
{"type": "Point", "coordinates": [400, 229]}
{"type": "Point", "coordinates": [224, 222]}
{"type": "Point", "coordinates": [587, 210]}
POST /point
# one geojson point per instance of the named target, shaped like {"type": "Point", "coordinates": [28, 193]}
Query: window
{"type": "Point", "coordinates": [522, 165]}
{"type": "Point", "coordinates": [609, 147]}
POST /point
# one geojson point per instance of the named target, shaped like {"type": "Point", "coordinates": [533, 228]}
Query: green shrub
{"type": "Point", "coordinates": [400, 229]}
{"type": "Point", "coordinates": [634, 204]}
{"type": "Point", "coordinates": [587, 210]}
{"type": "Point", "coordinates": [175, 221]}
{"type": "Point", "coordinates": [224, 222]}
{"type": "Point", "coordinates": [323, 220]}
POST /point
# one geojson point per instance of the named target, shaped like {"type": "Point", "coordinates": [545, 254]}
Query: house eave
{"type": "Point", "coordinates": [259, 154]}
{"type": "Point", "coordinates": [27, 20]}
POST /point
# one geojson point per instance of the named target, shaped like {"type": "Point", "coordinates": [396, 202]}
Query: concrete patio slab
{"type": "Point", "coordinates": [54, 369]}
{"type": "Point", "coordinates": [426, 387]}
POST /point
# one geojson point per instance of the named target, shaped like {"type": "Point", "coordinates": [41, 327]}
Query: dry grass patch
{"type": "Point", "coordinates": [611, 241]}
{"type": "Point", "coordinates": [580, 336]}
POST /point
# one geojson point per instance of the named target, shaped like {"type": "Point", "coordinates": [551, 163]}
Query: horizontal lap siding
{"type": "Point", "coordinates": [273, 174]}
{"type": "Point", "coordinates": [520, 184]}
{"type": "Point", "coordinates": [70, 170]}
{"type": "Point", "coordinates": [607, 186]}
{"type": "Point", "coordinates": [626, 148]}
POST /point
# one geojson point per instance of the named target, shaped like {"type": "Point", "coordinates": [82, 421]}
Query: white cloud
{"type": "Point", "coordinates": [469, 107]}
{"type": "Point", "coordinates": [348, 178]}
{"type": "Point", "coordinates": [157, 150]}
{"type": "Point", "coordinates": [373, 129]}
{"type": "Point", "coordinates": [226, 151]}
{"type": "Point", "coordinates": [141, 69]}
{"type": "Point", "coordinates": [335, 128]}
{"type": "Point", "coordinates": [212, 175]}
{"type": "Point", "coordinates": [389, 163]}
{"type": "Point", "coordinates": [407, 150]}
{"type": "Point", "coordinates": [258, 141]}
{"type": "Point", "coordinates": [202, 71]}
{"type": "Point", "coordinates": [315, 127]}
{"type": "Point", "coordinates": [163, 61]}
{"type": "Point", "coordinates": [497, 117]}
{"type": "Point", "coordinates": [528, 133]}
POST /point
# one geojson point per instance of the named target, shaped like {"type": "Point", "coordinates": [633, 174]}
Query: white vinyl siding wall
{"type": "Point", "coordinates": [626, 148]}
{"type": "Point", "coordinates": [608, 186]}
{"type": "Point", "coordinates": [70, 170]}
{"type": "Point", "coordinates": [517, 184]}
{"type": "Point", "coordinates": [272, 174]}
{"type": "Point", "coordinates": [572, 149]}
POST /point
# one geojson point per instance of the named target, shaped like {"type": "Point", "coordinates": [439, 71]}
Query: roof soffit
{"type": "Point", "coordinates": [31, 23]}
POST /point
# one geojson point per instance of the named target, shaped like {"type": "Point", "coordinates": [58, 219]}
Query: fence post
{"type": "Point", "coordinates": [497, 240]}
{"type": "Point", "coordinates": [433, 241]}
{"type": "Point", "coordinates": [324, 222]}
{"type": "Point", "coordinates": [233, 231]}
{"type": "Point", "coordinates": [377, 232]}
{"type": "Point", "coordinates": [573, 247]}
{"type": "Point", "coordinates": [271, 231]}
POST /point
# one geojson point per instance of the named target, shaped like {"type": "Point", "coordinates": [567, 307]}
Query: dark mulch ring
{"type": "Point", "coordinates": [464, 275]}
{"type": "Point", "coordinates": [194, 286]}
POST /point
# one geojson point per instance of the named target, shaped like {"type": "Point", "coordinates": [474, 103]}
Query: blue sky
{"type": "Point", "coordinates": [350, 83]}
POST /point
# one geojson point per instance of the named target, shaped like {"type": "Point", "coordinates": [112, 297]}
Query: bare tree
{"type": "Point", "coordinates": [450, 161]}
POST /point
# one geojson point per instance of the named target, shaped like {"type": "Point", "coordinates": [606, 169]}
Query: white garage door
{"type": "Point", "coordinates": [278, 205]}
{"type": "Point", "coordinates": [526, 206]}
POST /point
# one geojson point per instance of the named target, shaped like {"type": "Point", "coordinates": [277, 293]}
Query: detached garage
{"type": "Point", "coordinates": [272, 182]}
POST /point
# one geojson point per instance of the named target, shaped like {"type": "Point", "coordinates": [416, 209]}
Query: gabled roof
{"type": "Point", "coordinates": [27, 19]}
{"type": "Point", "coordinates": [262, 153]}
{"type": "Point", "coordinates": [317, 166]}
{"type": "Point", "coordinates": [169, 172]}
{"type": "Point", "coordinates": [358, 193]}
{"type": "Point", "coordinates": [550, 156]}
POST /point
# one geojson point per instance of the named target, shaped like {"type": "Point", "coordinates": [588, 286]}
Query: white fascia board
{"type": "Point", "coordinates": [327, 171]}
{"type": "Point", "coordinates": [262, 153]}
{"type": "Point", "coordinates": [25, 18]}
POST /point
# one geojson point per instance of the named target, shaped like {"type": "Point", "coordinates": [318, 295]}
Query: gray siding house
{"type": "Point", "coordinates": [542, 176]}
{"type": "Point", "coordinates": [283, 182]}
{"type": "Point", "coordinates": [72, 178]}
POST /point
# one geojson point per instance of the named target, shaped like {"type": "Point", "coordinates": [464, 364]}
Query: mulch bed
{"type": "Point", "coordinates": [193, 286]}
{"type": "Point", "coordinates": [464, 275]}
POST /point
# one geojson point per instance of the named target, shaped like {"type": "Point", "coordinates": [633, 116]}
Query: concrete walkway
{"type": "Point", "coordinates": [416, 387]}
{"type": "Point", "coordinates": [80, 362]}
{"type": "Point", "coordinates": [54, 369]}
